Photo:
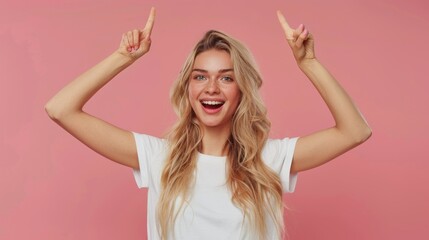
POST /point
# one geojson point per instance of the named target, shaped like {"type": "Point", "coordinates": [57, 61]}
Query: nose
{"type": "Point", "coordinates": [212, 86]}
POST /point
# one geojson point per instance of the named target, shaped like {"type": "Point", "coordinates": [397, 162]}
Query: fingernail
{"type": "Point", "coordinates": [305, 32]}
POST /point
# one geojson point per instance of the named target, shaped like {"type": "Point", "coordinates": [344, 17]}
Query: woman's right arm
{"type": "Point", "coordinates": [65, 108]}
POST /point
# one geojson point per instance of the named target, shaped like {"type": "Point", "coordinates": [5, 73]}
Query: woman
{"type": "Point", "coordinates": [216, 176]}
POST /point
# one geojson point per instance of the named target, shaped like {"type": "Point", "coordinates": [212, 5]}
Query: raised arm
{"type": "Point", "coordinates": [350, 127]}
{"type": "Point", "coordinates": [65, 108]}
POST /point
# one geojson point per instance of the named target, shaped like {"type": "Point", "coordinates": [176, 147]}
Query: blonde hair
{"type": "Point", "coordinates": [255, 188]}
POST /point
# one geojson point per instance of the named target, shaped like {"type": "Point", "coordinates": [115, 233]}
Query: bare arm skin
{"type": "Point", "coordinates": [65, 108]}
{"type": "Point", "coordinates": [350, 128]}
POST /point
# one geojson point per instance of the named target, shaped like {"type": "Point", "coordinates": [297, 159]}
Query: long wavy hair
{"type": "Point", "coordinates": [255, 188]}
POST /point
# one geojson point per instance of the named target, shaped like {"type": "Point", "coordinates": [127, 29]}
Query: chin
{"type": "Point", "coordinates": [210, 124]}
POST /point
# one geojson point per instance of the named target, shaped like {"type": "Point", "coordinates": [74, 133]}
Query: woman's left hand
{"type": "Point", "coordinates": [300, 40]}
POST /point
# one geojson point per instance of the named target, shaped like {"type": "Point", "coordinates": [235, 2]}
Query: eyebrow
{"type": "Point", "coordinates": [205, 71]}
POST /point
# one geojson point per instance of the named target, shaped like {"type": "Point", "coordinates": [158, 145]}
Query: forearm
{"type": "Point", "coordinates": [348, 119]}
{"type": "Point", "coordinates": [74, 95]}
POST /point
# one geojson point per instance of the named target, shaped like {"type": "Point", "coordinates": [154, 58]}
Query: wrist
{"type": "Point", "coordinates": [308, 64]}
{"type": "Point", "coordinates": [123, 59]}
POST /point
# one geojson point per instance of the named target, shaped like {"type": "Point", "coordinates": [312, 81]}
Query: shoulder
{"type": "Point", "coordinates": [276, 150]}
{"type": "Point", "coordinates": [277, 146]}
{"type": "Point", "coordinates": [149, 143]}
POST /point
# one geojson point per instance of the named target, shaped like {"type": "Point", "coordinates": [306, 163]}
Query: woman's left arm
{"type": "Point", "coordinates": [350, 128]}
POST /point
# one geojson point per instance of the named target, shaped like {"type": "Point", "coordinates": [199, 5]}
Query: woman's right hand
{"type": "Point", "coordinates": [136, 43]}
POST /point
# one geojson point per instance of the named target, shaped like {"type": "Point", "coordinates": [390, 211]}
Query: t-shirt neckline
{"type": "Point", "coordinates": [213, 157]}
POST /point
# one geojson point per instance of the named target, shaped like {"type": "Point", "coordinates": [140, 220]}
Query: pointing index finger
{"type": "Point", "coordinates": [150, 21]}
{"type": "Point", "coordinates": [289, 32]}
{"type": "Point", "coordinates": [282, 20]}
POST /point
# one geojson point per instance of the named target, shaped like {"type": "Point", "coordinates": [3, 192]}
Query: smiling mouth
{"type": "Point", "coordinates": [212, 104]}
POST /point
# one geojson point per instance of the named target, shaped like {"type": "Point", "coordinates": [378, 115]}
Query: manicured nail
{"type": "Point", "coordinates": [305, 32]}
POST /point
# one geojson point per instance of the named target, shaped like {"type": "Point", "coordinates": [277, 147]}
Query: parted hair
{"type": "Point", "coordinates": [255, 188]}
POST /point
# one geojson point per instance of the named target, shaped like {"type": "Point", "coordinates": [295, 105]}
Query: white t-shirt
{"type": "Point", "coordinates": [209, 214]}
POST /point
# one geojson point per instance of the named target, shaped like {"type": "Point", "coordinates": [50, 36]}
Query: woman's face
{"type": "Point", "coordinates": [213, 92]}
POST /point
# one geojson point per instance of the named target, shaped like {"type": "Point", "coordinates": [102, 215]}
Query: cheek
{"type": "Point", "coordinates": [194, 91]}
{"type": "Point", "coordinates": [192, 96]}
{"type": "Point", "coordinates": [235, 95]}
{"type": "Point", "coordinates": [239, 96]}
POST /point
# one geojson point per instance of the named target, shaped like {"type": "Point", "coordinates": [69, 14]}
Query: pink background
{"type": "Point", "coordinates": [53, 187]}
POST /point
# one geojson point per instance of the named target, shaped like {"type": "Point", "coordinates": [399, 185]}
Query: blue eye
{"type": "Point", "coordinates": [226, 78]}
{"type": "Point", "coordinates": [199, 77]}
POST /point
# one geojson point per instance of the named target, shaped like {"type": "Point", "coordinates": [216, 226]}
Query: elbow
{"type": "Point", "coordinates": [362, 135]}
{"type": "Point", "coordinates": [356, 135]}
{"type": "Point", "coordinates": [50, 110]}
{"type": "Point", "coordinates": [367, 133]}
{"type": "Point", "coordinates": [53, 112]}
{"type": "Point", "coordinates": [58, 112]}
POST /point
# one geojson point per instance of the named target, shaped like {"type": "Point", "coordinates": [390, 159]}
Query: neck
{"type": "Point", "coordinates": [214, 141]}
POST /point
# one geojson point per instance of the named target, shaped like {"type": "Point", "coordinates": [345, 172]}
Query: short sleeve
{"type": "Point", "coordinates": [278, 154]}
{"type": "Point", "coordinates": [149, 149]}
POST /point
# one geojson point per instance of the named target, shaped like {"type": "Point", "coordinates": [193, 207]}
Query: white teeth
{"type": "Point", "coordinates": [212, 102]}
